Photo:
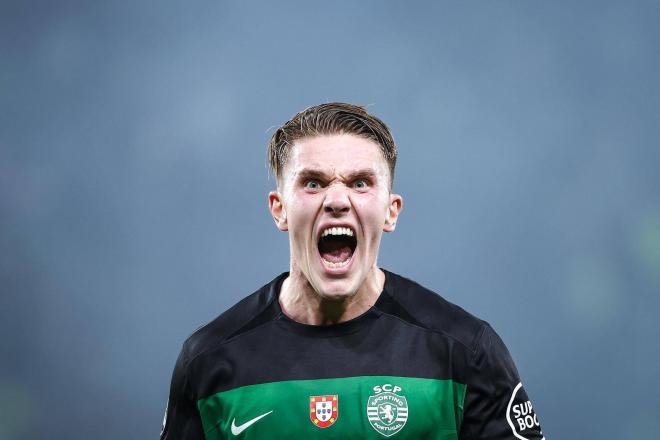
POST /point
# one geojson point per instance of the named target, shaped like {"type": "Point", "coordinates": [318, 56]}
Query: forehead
{"type": "Point", "coordinates": [339, 153]}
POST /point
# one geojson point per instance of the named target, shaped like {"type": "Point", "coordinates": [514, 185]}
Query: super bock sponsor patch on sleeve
{"type": "Point", "coordinates": [521, 417]}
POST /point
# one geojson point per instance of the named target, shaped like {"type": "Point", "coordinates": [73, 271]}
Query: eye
{"type": "Point", "coordinates": [360, 184]}
{"type": "Point", "coordinates": [312, 184]}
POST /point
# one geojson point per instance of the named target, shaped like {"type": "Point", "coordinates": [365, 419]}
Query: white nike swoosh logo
{"type": "Point", "coordinates": [240, 428]}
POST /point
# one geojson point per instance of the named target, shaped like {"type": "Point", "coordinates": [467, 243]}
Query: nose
{"type": "Point", "coordinates": [336, 200]}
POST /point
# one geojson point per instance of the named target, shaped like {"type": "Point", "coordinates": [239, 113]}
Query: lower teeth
{"type": "Point", "coordinates": [336, 265]}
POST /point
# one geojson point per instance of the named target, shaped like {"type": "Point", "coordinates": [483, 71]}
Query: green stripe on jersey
{"type": "Point", "coordinates": [365, 407]}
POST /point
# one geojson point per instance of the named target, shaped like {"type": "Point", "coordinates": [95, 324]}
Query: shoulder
{"type": "Point", "coordinates": [423, 307]}
{"type": "Point", "coordinates": [251, 312]}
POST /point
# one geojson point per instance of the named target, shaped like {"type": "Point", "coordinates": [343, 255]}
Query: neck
{"type": "Point", "coordinates": [300, 302]}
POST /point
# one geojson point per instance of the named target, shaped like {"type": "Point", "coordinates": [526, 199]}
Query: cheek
{"type": "Point", "coordinates": [372, 210]}
{"type": "Point", "coordinates": [301, 213]}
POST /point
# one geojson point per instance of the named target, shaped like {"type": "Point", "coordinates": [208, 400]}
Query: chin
{"type": "Point", "coordinates": [335, 290]}
{"type": "Point", "coordinates": [333, 295]}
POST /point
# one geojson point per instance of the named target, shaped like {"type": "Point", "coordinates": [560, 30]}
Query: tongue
{"type": "Point", "coordinates": [335, 250]}
{"type": "Point", "coordinates": [337, 255]}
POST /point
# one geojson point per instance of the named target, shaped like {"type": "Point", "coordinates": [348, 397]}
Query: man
{"type": "Point", "coordinates": [337, 347]}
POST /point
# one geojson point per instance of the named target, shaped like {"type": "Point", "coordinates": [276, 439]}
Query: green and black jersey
{"type": "Point", "coordinates": [414, 366]}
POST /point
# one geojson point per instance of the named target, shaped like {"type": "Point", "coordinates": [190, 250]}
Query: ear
{"type": "Point", "coordinates": [393, 211]}
{"type": "Point", "coordinates": [277, 210]}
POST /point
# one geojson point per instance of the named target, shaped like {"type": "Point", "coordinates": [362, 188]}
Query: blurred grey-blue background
{"type": "Point", "coordinates": [133, 188]}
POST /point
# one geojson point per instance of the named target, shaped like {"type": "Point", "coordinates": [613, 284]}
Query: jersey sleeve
{"type": "Point", "coordinates": [182, 420]}
{"type": "Point", "coordinates": [496, 405]}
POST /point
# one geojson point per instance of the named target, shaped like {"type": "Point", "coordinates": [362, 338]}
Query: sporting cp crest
{"type": "Point", "coordinates": [323, 410]}
{"type": "Point", "coordinates": [387, 411]}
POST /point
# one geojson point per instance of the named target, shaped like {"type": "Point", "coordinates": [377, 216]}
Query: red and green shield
{"type": "Point", "coordinates": [323, 410]}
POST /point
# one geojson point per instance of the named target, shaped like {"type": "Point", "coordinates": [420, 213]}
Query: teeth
{"type": "Point", "coordinates": [336, 265]}
{"type": "Point", "coordinates": [337, 231]}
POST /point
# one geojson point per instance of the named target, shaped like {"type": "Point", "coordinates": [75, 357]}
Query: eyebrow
{"type": "Point", "coordinates": [310, 173]}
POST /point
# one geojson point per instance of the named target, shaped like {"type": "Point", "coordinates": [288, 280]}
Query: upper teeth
{"type": "Point", "coordinates": [337, 231]}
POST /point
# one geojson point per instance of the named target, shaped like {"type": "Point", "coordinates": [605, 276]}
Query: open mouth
{"type": "Point", "coordinates": [337, 245]}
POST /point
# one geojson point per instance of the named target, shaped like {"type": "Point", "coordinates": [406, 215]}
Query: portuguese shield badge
{"type": "Point", "coordinates": [323, 410]}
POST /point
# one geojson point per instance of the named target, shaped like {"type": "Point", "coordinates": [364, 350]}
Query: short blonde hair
{"type": "Point", "coordinates": [327, 119]}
